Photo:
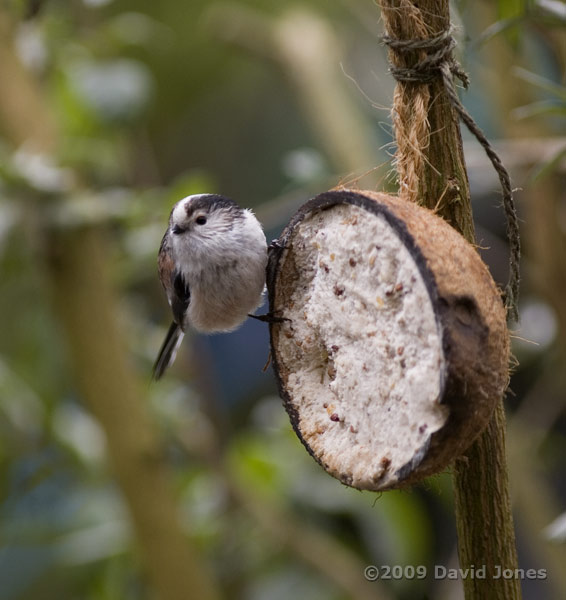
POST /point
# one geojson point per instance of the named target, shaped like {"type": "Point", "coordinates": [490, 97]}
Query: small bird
{"type": "Point", "coordinates": [212, 262]}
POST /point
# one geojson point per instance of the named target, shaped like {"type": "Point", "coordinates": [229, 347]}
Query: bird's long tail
{"type": "Point", "coordinates": [168, 350]}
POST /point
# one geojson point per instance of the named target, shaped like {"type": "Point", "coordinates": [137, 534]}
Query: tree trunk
{"type": "Point", "coordinates": [483, 513]}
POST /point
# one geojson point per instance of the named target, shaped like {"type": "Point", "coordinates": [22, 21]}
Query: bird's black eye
{"type": "Point", "coordinates": [200, 220]}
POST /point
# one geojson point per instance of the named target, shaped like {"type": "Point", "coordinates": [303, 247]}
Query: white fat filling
{"type": "Point", "coordinates": [364, 347]}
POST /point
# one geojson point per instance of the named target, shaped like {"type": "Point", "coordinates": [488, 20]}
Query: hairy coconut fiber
{"type": "Point", "coordinates": [394, 347]}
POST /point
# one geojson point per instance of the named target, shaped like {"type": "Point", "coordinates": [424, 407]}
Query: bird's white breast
{"type": "Point", "coordinates": [225, 273]}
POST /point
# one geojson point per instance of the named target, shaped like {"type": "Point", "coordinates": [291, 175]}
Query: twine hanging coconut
{"type": "Point", "coordinates": [393, 348]}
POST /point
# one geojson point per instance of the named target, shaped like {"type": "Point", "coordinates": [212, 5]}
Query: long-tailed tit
{"type": "Point", "coordinates": [212, 264]}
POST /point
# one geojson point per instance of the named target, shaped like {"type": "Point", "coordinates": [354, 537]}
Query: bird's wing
{"type": "Point", "coordinates": [179, 298]}
{"type": "Point", "coordinates": [175, 285]}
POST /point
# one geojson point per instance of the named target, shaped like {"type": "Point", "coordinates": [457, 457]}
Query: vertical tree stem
{"type": "Point", "coordinates": [483, 514]}
{"type": "Point", "coordinates": [87, 311]}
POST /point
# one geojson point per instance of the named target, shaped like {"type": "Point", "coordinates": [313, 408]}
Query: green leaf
{"type": "Point", "coordinates": [511, 15]}
{"type": "Point", "coordinates": [506, 26]}
{"type": "Point", "coordinates": [509, 9]}
{"type": "Point", "coordinates": [540, 109]}
{"type": "Point", "coordinates": [548, 167]}
{"type": "Point", "coordinates": [555, 10]}
{"type": "Point", "coordinates": [555, 89]}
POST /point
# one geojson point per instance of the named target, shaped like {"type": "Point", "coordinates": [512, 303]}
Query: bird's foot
{"type": "Point", "coordinates": [276, 245]}
{"type": "Point", "coordinates": [269, 318]}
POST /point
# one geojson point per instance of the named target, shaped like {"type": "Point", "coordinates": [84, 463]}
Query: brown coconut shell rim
{"type": "Point", "coordinates": [325, 201]}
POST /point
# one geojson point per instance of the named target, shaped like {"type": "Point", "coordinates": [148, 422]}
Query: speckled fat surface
{"type": "Point", "coordinates": [365, 347]}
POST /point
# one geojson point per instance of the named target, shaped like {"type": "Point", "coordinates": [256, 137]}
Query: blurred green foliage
{"type": "Point", "coordinates": [158, 100]}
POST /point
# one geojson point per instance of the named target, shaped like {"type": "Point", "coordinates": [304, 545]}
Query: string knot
{"type": "Point", "coordinates": [438, 56]}
{"type": "Point", "coordinates": [438, 62]}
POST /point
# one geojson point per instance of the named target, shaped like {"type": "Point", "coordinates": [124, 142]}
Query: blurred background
{"type": "Point", "coordinates": [112, 487]}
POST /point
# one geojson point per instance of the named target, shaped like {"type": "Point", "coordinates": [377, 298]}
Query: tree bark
{"type": "Point", "coordinates": [483, 514]}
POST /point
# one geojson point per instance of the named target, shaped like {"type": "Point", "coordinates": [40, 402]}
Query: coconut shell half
{"type": "Point", "coordinates": [394, 349]}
